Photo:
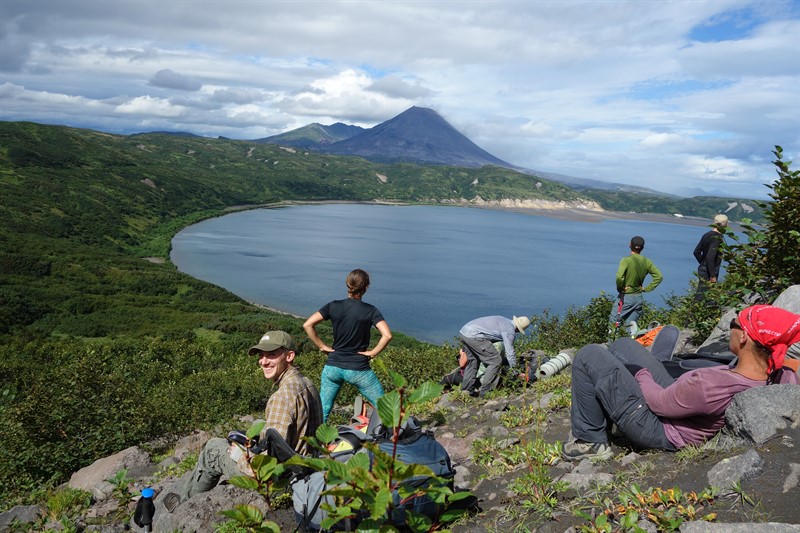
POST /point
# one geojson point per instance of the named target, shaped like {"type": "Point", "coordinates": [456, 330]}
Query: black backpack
{"type": "Point", "coordinates": [415, 446]}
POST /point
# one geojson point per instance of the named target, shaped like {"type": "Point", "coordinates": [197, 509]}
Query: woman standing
{"type": "Point", "coordinates": [348, 359]}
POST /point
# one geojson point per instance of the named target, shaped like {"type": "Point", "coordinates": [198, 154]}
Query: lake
{"type": "Point", "coordinates": [432, 268]}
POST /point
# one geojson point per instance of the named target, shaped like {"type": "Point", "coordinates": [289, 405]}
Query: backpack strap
{"type": "Point", "coordinates": [307, 516]}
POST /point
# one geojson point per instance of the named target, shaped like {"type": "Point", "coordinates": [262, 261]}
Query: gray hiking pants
{"type": "Point", "coordinates": [604, 391]}
{"type": "Point", "coordinates": [632, 306]}
{"type": "Point", "coordinates": [213, 463]}
{"type": "Point", "coordinates": [481, 351]}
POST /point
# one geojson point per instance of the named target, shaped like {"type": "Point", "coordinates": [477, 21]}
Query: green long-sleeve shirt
{"type": "Point", "coordinates": [632, 271]}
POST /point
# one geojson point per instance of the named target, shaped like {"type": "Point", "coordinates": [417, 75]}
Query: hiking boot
{"type": "Point", "coordinates": [596, 451]}
{"type": "Point", "coordinates": [171, 501]}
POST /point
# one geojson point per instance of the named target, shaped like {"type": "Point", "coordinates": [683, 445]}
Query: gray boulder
{"type": "Point", "coordinates": [21, 514]}
{"type": "Point", "coordinates": [731, 470]}
{"type": "Point", "coordinates": [94, 478]}
{"type": "Point", "coordinates": [722, 331]}
{"type": "Point", "coordinates": [790, 300]}
{"type": "Point", "coordinates": [201, 512]}
{"type": "Point", "coordinates": [192, 443]}
{"type": "Point", "coordinates": [758, 414]}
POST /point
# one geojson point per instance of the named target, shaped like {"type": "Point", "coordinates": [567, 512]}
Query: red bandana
{"type": "Point", "coordinates": [773, 327]}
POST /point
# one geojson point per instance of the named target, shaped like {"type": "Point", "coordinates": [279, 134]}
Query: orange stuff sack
{"type": "Point", "coordinates": [648, 337]}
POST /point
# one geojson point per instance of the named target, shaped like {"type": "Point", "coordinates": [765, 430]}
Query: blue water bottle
{"type": "Point", "coordinates": [145, 509]}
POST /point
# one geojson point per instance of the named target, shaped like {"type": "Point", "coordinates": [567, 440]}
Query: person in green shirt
{"type": "Point", "coordinates": [632, 271]}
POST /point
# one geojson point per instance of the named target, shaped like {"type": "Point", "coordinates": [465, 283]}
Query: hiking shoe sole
{"type": "Point", "coordinates": [171, 501]}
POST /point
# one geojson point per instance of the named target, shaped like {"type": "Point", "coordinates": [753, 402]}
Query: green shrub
{"type": "Point", "coordinates": [577, 327]}
{"type": "Point", "coordinates": [67, 503]}
{"type": "Point", "coordinates": [767, 261]}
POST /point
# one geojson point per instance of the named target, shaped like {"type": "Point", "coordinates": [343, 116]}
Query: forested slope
{"type": "Point", "coordinates": [101, 348]}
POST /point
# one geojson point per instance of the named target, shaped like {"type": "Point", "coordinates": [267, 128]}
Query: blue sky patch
{"type": "Point", "coordinates": [662, 90]}
{"type": "Point", "coordinates": [729, 26]}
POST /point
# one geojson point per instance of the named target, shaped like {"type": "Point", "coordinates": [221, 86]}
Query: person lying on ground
{"type": "Point", "coordinates": [626, 385]}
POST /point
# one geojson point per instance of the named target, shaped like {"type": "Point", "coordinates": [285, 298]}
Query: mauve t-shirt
{"type": "Point", "coordinates": [692, 409]}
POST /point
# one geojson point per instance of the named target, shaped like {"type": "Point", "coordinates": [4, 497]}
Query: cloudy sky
{"type": "Point", "coordinates": [667, 95]}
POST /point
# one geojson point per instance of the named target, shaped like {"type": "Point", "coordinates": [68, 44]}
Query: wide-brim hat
{"type": "Point", "coordinates": [521, 322]}
{"type": "Point", "coordinates": [272, 340]}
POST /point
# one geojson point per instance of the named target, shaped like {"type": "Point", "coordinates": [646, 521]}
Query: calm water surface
{"type": "Point", "coordinates": [432, 268]}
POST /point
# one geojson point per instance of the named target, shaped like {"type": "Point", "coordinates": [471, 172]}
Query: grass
{"type": "Point", "coordinates": [525, 415]}
{"type": "Point", "coordinates": [667, 508]}
{"type": "Point", "coordinates": [177, 470]}
{"type": "Point", "coordinates": [67, 503]}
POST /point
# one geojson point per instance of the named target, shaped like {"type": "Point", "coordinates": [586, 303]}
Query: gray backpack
{"type": "Point", "coordinates": [415, 446]}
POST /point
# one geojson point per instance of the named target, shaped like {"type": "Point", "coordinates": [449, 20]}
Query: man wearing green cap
{"type": "Point", "coordinates": [294, 410]}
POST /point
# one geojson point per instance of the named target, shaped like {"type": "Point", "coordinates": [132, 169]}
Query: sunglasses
{"type": "Point", "coordinates": [734, 324]}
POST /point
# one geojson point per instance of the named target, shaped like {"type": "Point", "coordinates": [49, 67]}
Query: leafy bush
{"type": "Point", "coordinates": [577, 327]}
{"type": "Point", "coordinates": [363, 484]}
{"type": "Point", "coordinates": [768, 260]}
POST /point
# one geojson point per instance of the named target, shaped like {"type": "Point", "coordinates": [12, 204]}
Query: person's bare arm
{"type": "Point", "coordinates": [310, 327]}
{"type": "Point", "coordinates": [386, 337]}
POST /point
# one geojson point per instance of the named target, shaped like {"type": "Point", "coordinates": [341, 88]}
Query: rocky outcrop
{"type": "Point", "coordinates": [756, 458]}
{"type": "Point", "coordinates": [762, 440]}
{"type": "Point", "coordinates": [95, 477]}
{"type": "Point", "coordinates": [201, 513]}
{"type": "Point", "coordinates": [757, 415]}
{"type": "Point", "coordinates": [525, 203]}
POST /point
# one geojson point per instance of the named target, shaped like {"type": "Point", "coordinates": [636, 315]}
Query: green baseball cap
{"type": "Point", "coordinates": [272, 340]}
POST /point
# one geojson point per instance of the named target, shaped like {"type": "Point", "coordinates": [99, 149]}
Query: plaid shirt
{"type": "Point", "coordinates": [294, 409]}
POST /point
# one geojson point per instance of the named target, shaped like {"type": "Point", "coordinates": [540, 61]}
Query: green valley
{"type": "Point", "coordinates": [104, 344]}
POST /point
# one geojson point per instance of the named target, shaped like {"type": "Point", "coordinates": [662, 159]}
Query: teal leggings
{"type": "Point", "coordinates": [332, 379]}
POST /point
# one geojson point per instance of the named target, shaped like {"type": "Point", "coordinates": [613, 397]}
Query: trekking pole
{"type": "Point", "coordinates": [621, 297]}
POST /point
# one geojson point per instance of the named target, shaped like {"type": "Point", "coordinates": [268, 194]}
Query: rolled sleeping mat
{"type": "Point", "coordinates": [555, 365]}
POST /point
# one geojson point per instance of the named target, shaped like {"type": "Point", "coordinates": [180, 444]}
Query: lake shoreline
{"type": "Point", "coordinates": [383, 241]}
{"type": "Point", "coordinates": [585, 215]}
{"type": "Point", "coordinates": [567, 213]}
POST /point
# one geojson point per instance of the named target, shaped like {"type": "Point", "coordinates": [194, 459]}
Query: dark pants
{"type": "Point", "coordinates": [703, 282]}
{"type": "Point", "coordinates": [453, 378]}
{"type": "Point", "coordinates": [603, 389]}
{"type": "Point", "coordinates": [481, 351]}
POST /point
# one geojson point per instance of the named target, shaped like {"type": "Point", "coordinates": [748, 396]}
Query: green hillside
{"type": "Point", "coordinates": [101, 347]}
{"type": "Point", "coordinates": [700, 206]}
{"type": "Point", "coordinates": [74, 195]}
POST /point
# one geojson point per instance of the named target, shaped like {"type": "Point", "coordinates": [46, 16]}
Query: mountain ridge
{"type": "Point", "coordinates": [314, 135]}
{"type": "Point", "coordinates": [419, 135]}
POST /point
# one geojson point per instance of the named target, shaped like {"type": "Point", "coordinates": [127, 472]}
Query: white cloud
{"type": "Point", "coordinates": [620, 91]}
{"type": "Point", "coordinates": [149, 106]}
{"type": "Point", "coordinates": [662, 139]}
